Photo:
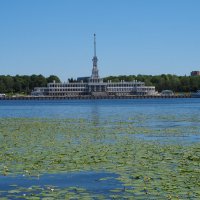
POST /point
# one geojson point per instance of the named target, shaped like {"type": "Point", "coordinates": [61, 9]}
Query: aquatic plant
{"type": "Point", "coordinates": [150, 169]}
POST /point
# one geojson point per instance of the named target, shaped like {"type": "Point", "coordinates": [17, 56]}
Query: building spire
{"type": "Point", "coordinates": [94, 45]}
{"type": "Point", "coordinates": [95, 73]}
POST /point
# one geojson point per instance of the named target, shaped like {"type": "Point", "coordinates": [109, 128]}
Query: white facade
{"type": "Point", "coordinates": [103, 88]}
{"type": "Point", "coordinates": [130, 88]}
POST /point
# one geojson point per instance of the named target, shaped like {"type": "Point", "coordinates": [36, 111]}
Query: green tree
{"type": "Point", "coordinates": [52, 78]}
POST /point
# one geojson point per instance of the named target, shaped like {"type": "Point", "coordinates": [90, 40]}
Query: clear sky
{"type": "Point", "coordinates": [133, 37]}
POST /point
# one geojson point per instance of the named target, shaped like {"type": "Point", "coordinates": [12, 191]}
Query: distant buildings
{"type": "Point", "coordinates": [94, 85]}
{"type": "Point", "coordinates": [195, 73]}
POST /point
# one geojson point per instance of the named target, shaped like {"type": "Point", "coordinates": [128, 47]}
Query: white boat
{"type": "Point", "coordinates": [196, 94]}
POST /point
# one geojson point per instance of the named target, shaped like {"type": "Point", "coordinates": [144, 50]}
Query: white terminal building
{"type": "Point", "coordinates": [94, 85]}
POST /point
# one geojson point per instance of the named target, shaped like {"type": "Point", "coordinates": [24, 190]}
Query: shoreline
{"type": "Point", "coordinates": [90, 97]}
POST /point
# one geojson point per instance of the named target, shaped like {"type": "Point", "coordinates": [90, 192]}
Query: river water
{"type": "Point", "coordinates": [100, 108]}
{"type": "Point", "coordinates": [174, 122]}
{"type": "Point", "coordinates": [153, 113]}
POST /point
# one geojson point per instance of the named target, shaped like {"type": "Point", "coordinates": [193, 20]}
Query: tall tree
{"type": "Point", "coordinates": [52, 78]}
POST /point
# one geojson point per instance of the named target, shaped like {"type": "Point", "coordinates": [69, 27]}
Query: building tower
{"type": "Point", "coordinates": [95, 71]}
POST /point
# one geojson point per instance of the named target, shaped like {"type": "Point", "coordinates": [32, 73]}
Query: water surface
{"type": "Point", "coordinates": [142, 148]}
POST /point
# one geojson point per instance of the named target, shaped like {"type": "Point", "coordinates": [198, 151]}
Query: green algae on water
{"type": "Point", "coordinates": [146, 169]}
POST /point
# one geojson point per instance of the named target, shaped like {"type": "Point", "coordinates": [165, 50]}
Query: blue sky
{"type": "Point", "coordinates": [133, 37]}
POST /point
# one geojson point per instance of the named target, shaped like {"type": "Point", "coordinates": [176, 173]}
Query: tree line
{"type": "Point", "coordinates": [25, 84]}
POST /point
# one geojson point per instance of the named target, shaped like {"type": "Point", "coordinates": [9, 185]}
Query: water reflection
{"type": "Point", "coordinates": [95, 115]}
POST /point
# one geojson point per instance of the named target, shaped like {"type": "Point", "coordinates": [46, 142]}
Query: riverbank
{"type": "Point", "coordinates": [91, 97]}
